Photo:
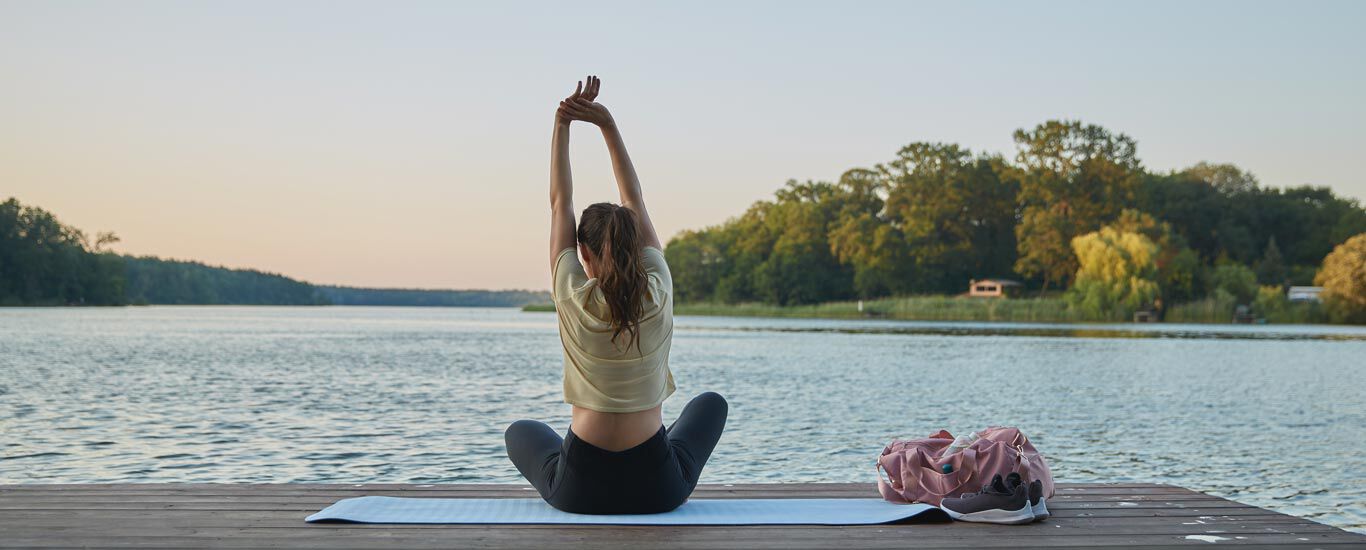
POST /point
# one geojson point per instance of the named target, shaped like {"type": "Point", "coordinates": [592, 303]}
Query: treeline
{"type": "Point", "coordinates": [938, 215]}
{"type": "Point", "coordinates": [351, 296]}
{"type": "Point", "coordinates": [151, 280]}
{"type": "Point", "coordinates": [44, 262]}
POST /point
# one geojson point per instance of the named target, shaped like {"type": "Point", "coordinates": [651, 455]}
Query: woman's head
{"type": "Point", "coordinates": [610, 241]}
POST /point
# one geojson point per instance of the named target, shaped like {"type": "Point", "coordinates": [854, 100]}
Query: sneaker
{"type": "Point", "coordinates": [1037, 503]}
{"type": "Point", "coordinates": [997, 502]}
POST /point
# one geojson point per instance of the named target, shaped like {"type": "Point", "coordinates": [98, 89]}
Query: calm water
{"type": "Point", "coordinates": [1272, 416]}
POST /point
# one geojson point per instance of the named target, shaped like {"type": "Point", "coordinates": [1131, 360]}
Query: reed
{"type": "Point", "coordinates": [917, 308]}
{"type": "Point", "coordinates": [1218, 309]}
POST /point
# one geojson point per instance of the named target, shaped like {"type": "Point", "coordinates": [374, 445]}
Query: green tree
{"type": "Point", "coordinates": [800, 267]}
{"type": "Point", "coordinates": [1270, 302]}
{"type": "Point", "coordinates": [1179, 272]}
{"type": "Point", "coordinates": [44, 262]}
{"type": "Point", "coordinates": [937, 214]}
{"type": "Point", "coordinates": [1076, 177]}
{"type": "Point", "coordinates": [1235, 279]}
{"type": "Point", "coordinates": [748, 242]}
{"type": "Point", "coordinates": [1271, 268]}
{"type": "Point", "coordinates": [956, 212]}
{"type": "Point", "coordinates": [1343, 278]}
{"type": "Point", "coordinates": [1117, 273]}
{"type": "Point", "coordinates": [864, 239]}
{"type": "Point", "coordinates": [1223, 213]}
{"type": "Point", "coordinates": [1192, 205]}
{"type": "Point", "coordinates": [153, 280]}
{"type": "Point", "coordinates": [1226, 179]}
{"type": "Point", "coordinates": [701, 256]}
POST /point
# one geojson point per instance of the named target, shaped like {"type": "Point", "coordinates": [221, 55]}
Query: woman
{"type": "Point", "coordinates": [616, 323]}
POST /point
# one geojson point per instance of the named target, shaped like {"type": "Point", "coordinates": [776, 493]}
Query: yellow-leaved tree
{"type": "Point", "coordinates": [1116, 274]}
{"type": "Point", "coordinates": [1343, 278]}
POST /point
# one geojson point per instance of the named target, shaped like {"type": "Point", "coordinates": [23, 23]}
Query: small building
{"type": "Point", "coordinates": [994, 288]}
{"type": "Point", "coordinates": [1304, 293]}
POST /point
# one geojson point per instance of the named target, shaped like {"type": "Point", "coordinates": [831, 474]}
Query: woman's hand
{"type": "Point", "coordinates": [581, 106]}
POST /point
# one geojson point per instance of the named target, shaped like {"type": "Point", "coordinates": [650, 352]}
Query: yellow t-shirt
{"type": "Point", "coordinates": [606, 376]}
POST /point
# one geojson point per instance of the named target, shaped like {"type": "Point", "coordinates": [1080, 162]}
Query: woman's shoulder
{"type": "Point", "coordinates": [657, 269]}
{"type": "Point", "coordinates": [567, 275]}
{"type": "Point", "coordinates": [654, 260]}
{"type": "Point", "coordinates": [653, 257]}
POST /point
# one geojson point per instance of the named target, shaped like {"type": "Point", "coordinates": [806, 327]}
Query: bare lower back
{"type": "Point", "coordinates": [616, 431]}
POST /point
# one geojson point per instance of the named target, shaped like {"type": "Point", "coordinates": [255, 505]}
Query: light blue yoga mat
{"type": "Point", "coordinates": [778, 511]}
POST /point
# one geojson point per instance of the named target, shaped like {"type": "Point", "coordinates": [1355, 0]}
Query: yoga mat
{"type": "Point", "coordinates": [775, 511]}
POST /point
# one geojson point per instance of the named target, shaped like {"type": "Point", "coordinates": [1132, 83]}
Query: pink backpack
{"type": "Point", "coordinates": [915, 469]}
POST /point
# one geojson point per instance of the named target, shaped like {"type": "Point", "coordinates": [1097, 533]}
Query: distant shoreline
{"type": "Point", "coordinates": [141, 305]}
{"type": "Point", "coordinates": [357, 296]}
{"type": "Point", "coordinates": [961, 308]}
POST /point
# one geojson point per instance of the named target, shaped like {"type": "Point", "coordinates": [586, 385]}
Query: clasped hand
{"type": "Point", "coordinates": [580, 105]}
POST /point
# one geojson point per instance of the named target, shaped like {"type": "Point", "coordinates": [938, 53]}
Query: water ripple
{"type": "Point", "coordinates": [1273, 416]}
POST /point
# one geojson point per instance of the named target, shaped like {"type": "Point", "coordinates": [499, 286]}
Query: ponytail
{"type": "Point", "coordinates": [611, 232]}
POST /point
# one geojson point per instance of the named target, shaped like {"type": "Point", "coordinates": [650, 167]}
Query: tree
{"type": "Point", "coordinates": [1192, 206]}
{"type": "Point", "coordinates": [1236, 279]}
{"type": "Point", "coordinates": [1307, 221]}
{"type": "Point", "coordinates": [956, 212]}
{"type": "Point", "coordinates": [1179, 273]}
{"type": "Point", "coordinates": [1271, 268]}
{"type": "Point", "coordinates": [1224, 214]}
{"type": "Point", "coordinates": [45, 262]}
{"type": "Point", "coordinates": [938, 214]}
{"type": "Point", "coordinates": [865, 240]}
{"type": "Point", "coordinates": [800, 268]}
{"type": "Point", "coordinates": [1116, 275]}
{"type": "Point", "coordinates": [1226, 179]}
{"type": "Point", "coordinates": [748, 241]}
{"type": "Point", "coordinates": [698, 254]}
{"type": "Point", "coordinates": [1076, 177]}
{"type": "Point", "coordinates": [1343, 278]}
{"type": "Point", "coordinates": [153, 280]}
{"type": "Point", "coordinates": [1270, 302]}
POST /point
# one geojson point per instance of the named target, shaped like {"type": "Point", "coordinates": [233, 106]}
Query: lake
{"type": "Point", "coordinates": [1268, 415]}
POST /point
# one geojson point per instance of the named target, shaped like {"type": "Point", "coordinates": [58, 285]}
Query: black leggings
{"type": "Point", "coordinates": [655, 476]}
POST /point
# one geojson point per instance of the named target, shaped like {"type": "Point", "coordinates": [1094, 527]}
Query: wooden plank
{"type": "Point", "coordinates": [1065, 493]}
{"type": "Point", "coordinates": [302, 511]}
{"type": "Point", "coordinates": [1256, 514]}
{"type": "Point", "coordinates": [244, 517]}
{"type": "Point", "coordinates": [313, 505]}
{"type": "Point", "coordinates": [1266, 524]}
{"type": "Point", "coordinates": [266, 515]}
{"type": "Point", "coordinates": [116, 501]}
{"type": "Point", "coordinates": [740, 533]}
{"type": "Point", "coordinates": [285, 530]}
{"type": "Point", "coordinates": [528, 492]}
{"type": "Point", "coordinates": [801, 489]}
{"type": "Point", "coordinates": [713, 537]}
{"type": "Point", "coordinates": [633, 541]}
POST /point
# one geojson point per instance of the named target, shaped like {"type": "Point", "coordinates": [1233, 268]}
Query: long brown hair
{"type": "Point", "coordinates": [611, 233]}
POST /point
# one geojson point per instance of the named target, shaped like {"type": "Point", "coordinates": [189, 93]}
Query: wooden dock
{"type": "Point", "coordinates": [272, 516]}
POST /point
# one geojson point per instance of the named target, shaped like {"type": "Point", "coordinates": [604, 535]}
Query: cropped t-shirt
{"type": "Point", "coordinates": [609, 376]}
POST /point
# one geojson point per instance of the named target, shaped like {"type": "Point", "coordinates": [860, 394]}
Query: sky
{"type": "Point", "coordinates": [406, 144]}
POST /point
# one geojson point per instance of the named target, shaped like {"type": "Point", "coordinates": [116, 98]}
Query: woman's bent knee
{"type": "Point", "coordinates": [712, 400]}
{"type": "Point", "coordinates": [523, 429]}
{"type": "Point", "coordinates": [518, 426]}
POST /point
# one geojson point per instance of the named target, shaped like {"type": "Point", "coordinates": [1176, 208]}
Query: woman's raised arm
{"type": "Point", "coordinates": [584, 108]}
{"type": "Point", "coordinates": [561, 186]}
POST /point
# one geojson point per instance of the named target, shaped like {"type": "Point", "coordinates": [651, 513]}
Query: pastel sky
{"type": "Point", "coordinates": [406, 144]}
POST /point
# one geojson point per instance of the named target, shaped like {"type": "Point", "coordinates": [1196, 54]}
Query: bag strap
{"type": "Point", "coordinates": [889, 485]}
